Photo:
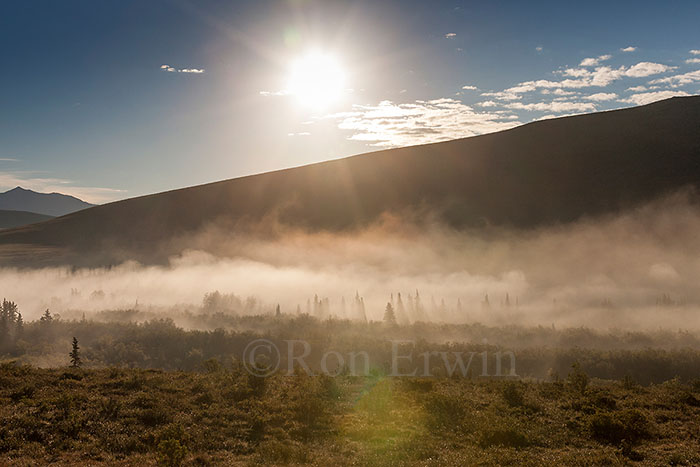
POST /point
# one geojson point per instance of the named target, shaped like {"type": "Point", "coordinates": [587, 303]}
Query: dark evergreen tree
{"type": "Point", "coordinates": [75, 360]}
{"type": "Point", "coordinates": [389, 315]}
{"type": "Point", "coordinates": [46, 317]}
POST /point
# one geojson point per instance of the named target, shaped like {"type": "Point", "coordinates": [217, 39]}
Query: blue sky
{"type": "Point", "coordinates": [113, 99]}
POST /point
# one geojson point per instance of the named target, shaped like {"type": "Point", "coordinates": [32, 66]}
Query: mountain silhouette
{"type": "Point", "coordinates": [49, 204]}
{"type": "Point", "coordinates": [542, 173]}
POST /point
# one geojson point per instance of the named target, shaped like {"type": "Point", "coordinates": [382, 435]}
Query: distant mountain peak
{"type": "Point", "coordinates": [50, 204]}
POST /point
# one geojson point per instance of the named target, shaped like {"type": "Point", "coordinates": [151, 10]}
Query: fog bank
{"type": "Point", "coordinates": [636, 270]}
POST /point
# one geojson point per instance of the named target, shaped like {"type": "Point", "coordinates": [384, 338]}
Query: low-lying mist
{"type": "Point", "coordinates": [636, 270]}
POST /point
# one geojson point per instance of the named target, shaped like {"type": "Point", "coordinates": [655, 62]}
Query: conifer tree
{"type": "Point", "coordinates": [389, 315]}
{"type": "Point", "coordinates": [46, 317]}
{"type": "Point", "coordinates": [75, 360]}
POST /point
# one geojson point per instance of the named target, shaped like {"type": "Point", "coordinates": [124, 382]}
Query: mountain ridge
{"type": "Point", "coordinates": [49, 204]}
{"type": "Point", "coordinates": [542, 173]}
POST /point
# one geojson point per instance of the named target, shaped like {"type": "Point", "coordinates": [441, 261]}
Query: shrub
{"type": "Point", "coordinates": [419, 385]}
{"type": "Point", "coordinates": [628, 382]}
{"type": "Point", "coordinates": [172, 448]}
{"type": "Point", "coordinates": [155, 416]}
{"type": "Point", "coordinates": [630, 426]}
{"type": "Point", "coordinates": [171, 452]}
{"type": "Point", "coordinates": [444, 411]}
{"type": "Point", "coordinates": [110, 408]}
{"type": "Point", "coordinates": [513, 395]}
{"type": "Point", "coordinates": [508, 438]}
{"type": "Point", "coordinates": [578, 379]}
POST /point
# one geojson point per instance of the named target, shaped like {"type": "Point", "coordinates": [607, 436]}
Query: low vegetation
{"type": "Point", "coordinates": [226, 416]}
{"type": "Point", "coordinates": [83, 392]}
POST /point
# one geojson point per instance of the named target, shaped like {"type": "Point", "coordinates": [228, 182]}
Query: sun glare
{"type": "Point", "coordinates": [316, 79]}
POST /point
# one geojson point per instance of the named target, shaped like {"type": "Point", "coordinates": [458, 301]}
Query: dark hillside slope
{"type": "Point", "coordinates": [9, 219]}
{"type": "Point", "coordinates": [546, 172]}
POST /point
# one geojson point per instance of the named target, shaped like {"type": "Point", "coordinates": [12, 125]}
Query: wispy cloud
{"type": "Point", "coordinates": [679, 80]}
{"type": "Point", "coordinates": [503, 95]}
{"type": "Point", "coordinates": [555, 106]}
{"type": "Point", "coordinates": [644, 69]}
{"type": "Point", "coordinates": [170, 69]}
{"type": "Point", "coordinates": [390, 124]}
{"type": "Point", "coordinates": [599, 77]}
{"type": "Point", "coordinates": [450, 35]}
{"type": "Point", "coordinates": [282, 92]}
{"type": "Point", "coordinates": [571, 91]}
{"type": "Point", "coordinates": [692, 60]}
{"type": "Point", "coordinates": [34, 181]}
{"type": "Point", "coordinates": [695, 52]}
{"type": "Point", "coordinates": [601, 97]}
{"type": "Point", "coordinates": [649, 97]}
{"type": "Point", "coordinates": [594, 61]}
{"type": "Point", "coordinates": [8, 159]}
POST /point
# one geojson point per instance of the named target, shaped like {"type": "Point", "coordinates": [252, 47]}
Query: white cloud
{"type": "Point", "coordinates": [487, 104]}
{"type": "Point", "coordinates": [450, 35]}
{"type": "Point", "coordinates": [389, 124]}
{"type": "Point", "coordinates": [649, 97]}
{"type": "Point", "coordinates": [171, 69]}
{"type": "Point", "coordinates": [470, 88]}
{"type": "Point", "coordinates": [8, 159]}
{"type": "Point", "coordinates": [562, 92]}
{"type": "Point", "coordinates": [557, 106]}
{"type": "Point", "coordinates": [637, 89]}
{"type": "Point", "coordinates": [576, 72]}
{"type": "Point", "coordinates": [539, 48]}
{"type": "Point", "coordinates": [643, 69]}
{"type": "Point", "coordinates": [503, 95]}
{"type": "Point", "coordinates": [628, 49]}
{"type": "Point", "coordinates": [692, 60]}
{"type": "Point", "coordinates": [599, 77]}
{"type": "Point", "coordinates": [679, 80]}
{"type": "Point", "coordinates": [274, 93]}
{"type": "Point", "coordinates": [522, 87]}
{"type": "Point", "coordinates": [601, 97]}
{"type": "Point", "coordinates": [695, 52]}
{"type": "Point", "coordinates": [594, 61]}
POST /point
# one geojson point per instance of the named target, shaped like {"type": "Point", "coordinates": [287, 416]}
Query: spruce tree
{"type": "Point", "coordinates": [389, 315]}
{"type": "Point", "coordinates": [75, 360]}
{"type": "Point", "coordinates": [46, 317]}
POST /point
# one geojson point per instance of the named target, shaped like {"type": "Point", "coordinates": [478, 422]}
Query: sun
{"type": "Point", "coordinates": [316, 79]}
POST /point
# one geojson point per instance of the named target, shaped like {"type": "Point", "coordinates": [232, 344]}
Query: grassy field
{"type": "Point", "coordinates": [224, 416]}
